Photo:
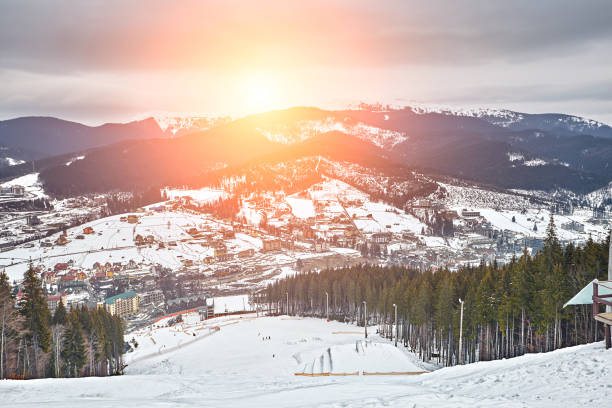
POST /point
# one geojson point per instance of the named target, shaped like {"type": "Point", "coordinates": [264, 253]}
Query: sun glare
{"type": "Point", "coordinates": [260, 93]}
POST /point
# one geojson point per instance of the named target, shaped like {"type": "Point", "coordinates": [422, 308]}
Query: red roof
{"type": "Point", "coordinates": [62, 266]}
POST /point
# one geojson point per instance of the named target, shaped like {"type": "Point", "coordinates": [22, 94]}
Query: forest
{"type": "Point", "coordinates": [508, 310]}
{"type": "Point", "coordinates": [70, 343]}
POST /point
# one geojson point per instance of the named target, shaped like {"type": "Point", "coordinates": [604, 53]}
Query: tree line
{"type": "Point", "coordinates": [509, 310]}
{"type": "Point", "coordinates": [36, 344]}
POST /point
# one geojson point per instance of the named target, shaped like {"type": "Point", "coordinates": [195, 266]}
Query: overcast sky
{"type": "Point", "coordinates": [97, 61]}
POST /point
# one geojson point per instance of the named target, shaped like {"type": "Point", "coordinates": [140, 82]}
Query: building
{"type": "Point", "coordinates": [382, 237]}
{"type": "Point", "coordinates": [122, 304]}
{"type": "Point", "coordinates": [246, 253]}
{"type": "Point", "coordinates": [88, 230]}
{"type": "Point", "coordinates": [153, 297]}
{"type": "Point", "coordinates": [271, 245]}
{"type": "Point", "coordinates": [53, 302]}
{"type": "Point", "coordinates": [469, 213]}
{"type": "Point", "coordinates": [219, 250]}
{"type": "Point", "coordinates": [32, 220]}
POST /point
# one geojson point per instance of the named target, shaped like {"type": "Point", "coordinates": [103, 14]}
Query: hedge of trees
{"type": "Point", "coordinates": [508, 311]}
{"type": "Point", "coordinates": [35, 344]}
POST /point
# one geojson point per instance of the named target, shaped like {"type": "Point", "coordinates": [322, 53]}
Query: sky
{"type": "Point", "coordinates": [99, 61]}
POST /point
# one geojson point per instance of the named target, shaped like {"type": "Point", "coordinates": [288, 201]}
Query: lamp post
{"type": "Point", "coordinates": [396, 326]}
{"type": "Point", "coordinates": [461, 333]}
{"type": "Point", "coordinates": [327, 305]}
{"type": "Point", "coordinates": [365, 318]}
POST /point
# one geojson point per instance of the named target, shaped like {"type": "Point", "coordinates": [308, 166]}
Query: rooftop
{"type": "Point", "coordinates": [127, 295]}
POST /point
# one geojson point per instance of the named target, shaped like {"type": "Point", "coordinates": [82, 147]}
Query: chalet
{"type": "Point", "coordinates": [61, 240]}
{"type": "Point", "coordinates": [132, 219]}
{"type": "Point", "coordinates": [48, 277]}
{"type": "Point", "coordinates": [61, 266]}
{"type": "Point", "coordinates": [88, 230]}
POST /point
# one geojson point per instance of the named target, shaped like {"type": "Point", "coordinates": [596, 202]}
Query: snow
{"type": "Point", "coordinates": [230, 363]}
{"type": "Point", "coordinates": [14, 162]}
{"type": "Point", "coordinates": [515, 157]}
{"type": "Point", "coordinates": [535, 163]}
{"type": "Point", "coordinates": [229, 304]}
{"type": "Point", "coordinates": [74, 159]}
{"type": "Point", "coordinates": [301, 208]}
{"type": "Point", "coordinates": [203, 195]}
{"type": "Point", "coordinates": [305, 129]}
{"type": "Point", "coordinates": [30, 182]}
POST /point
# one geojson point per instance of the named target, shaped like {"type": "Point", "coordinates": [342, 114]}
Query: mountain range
{"type": "Point", "coordinates": [500, 148]}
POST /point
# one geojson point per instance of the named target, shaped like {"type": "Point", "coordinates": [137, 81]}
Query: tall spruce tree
{"type": "Point", "coordinates": [34, 309]}
{"type": "Point", "coordinates": [73, 350]}
{"type": "Point", "coordinates": [60, 317]}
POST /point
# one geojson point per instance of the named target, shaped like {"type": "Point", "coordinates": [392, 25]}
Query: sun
{"type": "Point", "coordinates": [260, 93]}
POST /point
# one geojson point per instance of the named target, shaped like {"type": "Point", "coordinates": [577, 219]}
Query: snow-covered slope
{"type": "Point", "coordinates": [251, 362]}
{"type": "Point", "coordinates": [519, 121]}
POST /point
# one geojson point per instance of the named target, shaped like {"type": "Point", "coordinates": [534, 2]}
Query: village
{"type": "Point", "coordinates": [179, 254]}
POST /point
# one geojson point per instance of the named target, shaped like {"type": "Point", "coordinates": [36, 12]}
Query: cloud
{"type": "Point", "coordinates": [89, 58]}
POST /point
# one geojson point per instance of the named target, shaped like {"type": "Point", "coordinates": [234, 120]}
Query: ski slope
{"type": "Point", "coordinates": [237, 366]}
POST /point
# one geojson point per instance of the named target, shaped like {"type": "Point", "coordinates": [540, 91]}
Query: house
{"type": "Point", "coordinates": [61, 266]}
{"type": "Point", "coordinates": [132, 219]}
{"type": "Point", "coordinates": [219, 250]}
{"type": "Point", "coordinates": [122, 305]}
{"type": "Point", "coordinates": [88, 230]}
{"type": "Point", "coordinates": [61, 240]}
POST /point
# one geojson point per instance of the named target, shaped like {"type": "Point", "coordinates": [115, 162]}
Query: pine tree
{"type": "Point", "coordinates": [73, 351]}
{"type": "Point", "coordinates": [34, 309]}
{"type": "Point", "coordinates": [60, 316]}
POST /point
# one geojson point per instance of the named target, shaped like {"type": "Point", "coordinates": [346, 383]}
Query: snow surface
{"type": "Point", "coordinates": [229, 363]}
{"type": "Point", "coordinates": [30, 182]}
{"type": "Point", "coordinates": [300, 207]}
{"type": "Point", "coordinates": [203, 195]}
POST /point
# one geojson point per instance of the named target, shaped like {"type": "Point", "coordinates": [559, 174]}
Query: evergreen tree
{"type": "Point", "coordinates": [73, 351]}
{"type": "Point", "coordinates": [60, 316]}
{"type": "Point", "coordinates": [34, 309]}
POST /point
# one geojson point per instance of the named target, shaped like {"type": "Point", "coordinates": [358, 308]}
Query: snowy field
{"type": "Point", "coordinates": [113, 241]}
{"type": "Point", "coordinates": [231, 363]}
